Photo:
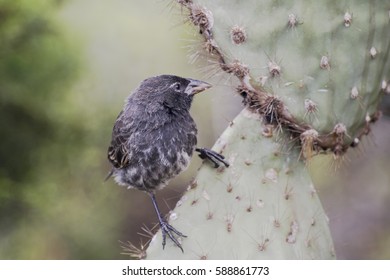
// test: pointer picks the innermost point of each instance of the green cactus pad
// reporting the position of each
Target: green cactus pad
(324, 62)
(264, 206)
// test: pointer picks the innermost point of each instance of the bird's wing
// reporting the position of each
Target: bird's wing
(118, 153)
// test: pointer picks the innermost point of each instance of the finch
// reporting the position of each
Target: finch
(154, 137)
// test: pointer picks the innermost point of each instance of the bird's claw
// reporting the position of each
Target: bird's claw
(167, 229)
(214, 157)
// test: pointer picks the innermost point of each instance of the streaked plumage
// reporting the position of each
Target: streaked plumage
(154, 137)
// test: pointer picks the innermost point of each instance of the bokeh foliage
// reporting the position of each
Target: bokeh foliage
(37, 66)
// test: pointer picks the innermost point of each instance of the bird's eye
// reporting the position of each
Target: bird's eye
(177, 86)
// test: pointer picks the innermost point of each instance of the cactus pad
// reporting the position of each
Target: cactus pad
(305, 65)
(264, 206)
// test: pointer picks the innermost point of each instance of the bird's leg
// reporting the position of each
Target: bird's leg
(214, 157)
(166, 229)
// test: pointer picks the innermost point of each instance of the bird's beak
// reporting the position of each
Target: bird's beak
(196, 86)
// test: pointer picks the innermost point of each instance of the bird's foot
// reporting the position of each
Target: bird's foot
(167, 229)
(214, 157)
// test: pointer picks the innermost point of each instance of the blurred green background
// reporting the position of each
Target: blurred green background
(66, 67)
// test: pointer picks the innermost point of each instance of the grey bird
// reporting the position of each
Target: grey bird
(154, 137)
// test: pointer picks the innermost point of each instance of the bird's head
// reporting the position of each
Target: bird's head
(170, 92)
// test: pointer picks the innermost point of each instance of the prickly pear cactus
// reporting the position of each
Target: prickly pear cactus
(311, 74)
(264, 206)
(317, 69)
